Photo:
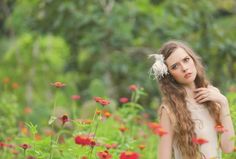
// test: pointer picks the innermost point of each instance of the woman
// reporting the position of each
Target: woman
(191, 107)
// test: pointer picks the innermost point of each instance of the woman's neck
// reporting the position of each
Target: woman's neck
(189, 90)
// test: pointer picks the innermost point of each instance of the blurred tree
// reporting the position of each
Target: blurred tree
(110, 40)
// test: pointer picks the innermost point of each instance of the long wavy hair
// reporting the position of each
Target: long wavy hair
(174, 96)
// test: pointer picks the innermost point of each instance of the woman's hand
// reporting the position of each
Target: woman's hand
(210, 93)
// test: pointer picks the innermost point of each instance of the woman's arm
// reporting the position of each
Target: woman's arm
(227, 144)
(165, 142)
(213, 94)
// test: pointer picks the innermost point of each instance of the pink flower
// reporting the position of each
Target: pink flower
(220, 129)
(124, 100)
(75, 97)
(104, 155)
(133, 87)
(102, 101)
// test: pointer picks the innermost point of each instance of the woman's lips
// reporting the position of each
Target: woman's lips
(187, 75)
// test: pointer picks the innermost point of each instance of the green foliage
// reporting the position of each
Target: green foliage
(8, 114)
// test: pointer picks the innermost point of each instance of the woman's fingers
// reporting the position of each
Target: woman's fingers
(203, 100)
(200, 93)
(202, 97)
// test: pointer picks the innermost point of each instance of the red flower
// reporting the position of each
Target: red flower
(141, 146)
(2, 144)
(102, 101)
(123, 128)
(58, 84)
(129, 155)
(220, 128)
(31, 157)
(84, 141)
(160, 132)
(133, 87)
(199, 141)
(84, 157)
(75, 97)
(97, 99)
(124, 100)
(106, 114)
(110, 146)
(25, 146)
(153, 125)
(64, 119)
(104, 155)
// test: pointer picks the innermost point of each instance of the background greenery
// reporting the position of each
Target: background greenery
(100, 47)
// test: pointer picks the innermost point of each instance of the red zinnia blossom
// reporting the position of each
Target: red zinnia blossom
(133, 87)
(64, 119)
(104, 155)
(220, 128)
(110, 146)
(129, 155)
(75, 97)
(153, 125)
(141, 146)
(124, 100)
(58, 84)
(25, 146)
(160, 132)
(106, 114)
(199, 141)
(84, 140)
(97, 99)
(2, 144)
(102, 101)
(123, 128)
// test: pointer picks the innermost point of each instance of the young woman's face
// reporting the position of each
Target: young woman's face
(181, 66)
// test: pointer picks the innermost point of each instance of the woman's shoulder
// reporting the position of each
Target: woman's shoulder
(213, 87)
(165, 108)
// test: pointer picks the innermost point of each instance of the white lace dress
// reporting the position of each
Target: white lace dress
(204, 128)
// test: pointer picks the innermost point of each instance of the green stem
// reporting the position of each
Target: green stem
(54, 113)
(92, 121)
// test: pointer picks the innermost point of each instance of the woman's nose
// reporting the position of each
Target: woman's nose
(184, 67)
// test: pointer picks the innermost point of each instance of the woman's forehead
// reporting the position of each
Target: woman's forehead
(176, 56)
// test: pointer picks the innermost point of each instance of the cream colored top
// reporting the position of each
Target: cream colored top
(204, 128)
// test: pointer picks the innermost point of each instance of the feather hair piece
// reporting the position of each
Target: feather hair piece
(159, 68)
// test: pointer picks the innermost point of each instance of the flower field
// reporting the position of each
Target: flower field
(98, 129)
(104, 132)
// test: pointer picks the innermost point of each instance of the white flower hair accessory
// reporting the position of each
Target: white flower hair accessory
(159, 68)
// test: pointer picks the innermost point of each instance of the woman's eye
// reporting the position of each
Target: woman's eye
(186, 59)
(174, 67)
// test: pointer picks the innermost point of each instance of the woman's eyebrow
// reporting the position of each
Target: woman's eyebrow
(179, 61)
